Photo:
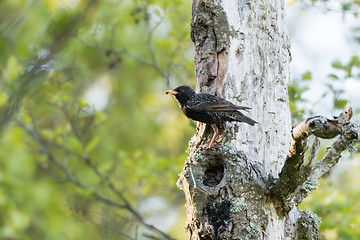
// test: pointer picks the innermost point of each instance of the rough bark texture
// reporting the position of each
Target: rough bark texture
(234, 191)
(242, 54)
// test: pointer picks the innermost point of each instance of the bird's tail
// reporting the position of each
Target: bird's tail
(239, 117)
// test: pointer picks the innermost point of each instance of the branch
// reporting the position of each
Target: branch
(150, 47)
(333, 154)
(330, 159)
(72, 179)
(149, 33)
(295, 176)
(302, 225)
(47, 152)
(113, 227)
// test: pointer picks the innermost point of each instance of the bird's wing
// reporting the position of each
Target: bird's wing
(211, 103)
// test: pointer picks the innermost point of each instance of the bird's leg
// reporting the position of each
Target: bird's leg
(216, 131)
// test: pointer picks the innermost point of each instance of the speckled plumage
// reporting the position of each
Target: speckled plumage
(207, 108)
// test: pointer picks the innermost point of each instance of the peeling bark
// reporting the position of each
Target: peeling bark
(246, 187)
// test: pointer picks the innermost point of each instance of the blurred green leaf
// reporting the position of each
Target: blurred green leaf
(75, 145)
(3, 98)
(62, 25)
(306, 76)
(92, 144)
(13, 69)
(354, 61)
(340, 103)
(82, 104)
(346, 6)
(100, 117)
(337, 64)
(333, 76)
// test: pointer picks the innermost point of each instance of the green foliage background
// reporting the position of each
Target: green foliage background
(65, 165)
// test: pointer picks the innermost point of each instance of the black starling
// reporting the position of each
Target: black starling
(207, 108)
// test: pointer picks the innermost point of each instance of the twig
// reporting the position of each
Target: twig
(314, 153)
(131, 55)
(151, 236)
(113, 227)
(150, 47)
(47, 152)
(153, 63)
(72, 123)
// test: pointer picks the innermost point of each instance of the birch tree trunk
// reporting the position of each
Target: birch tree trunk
(234, 191)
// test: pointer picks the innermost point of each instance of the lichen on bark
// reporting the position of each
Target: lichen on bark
(302, 225)
(226, 201)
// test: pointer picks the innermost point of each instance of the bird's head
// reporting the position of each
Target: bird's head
(182, 93)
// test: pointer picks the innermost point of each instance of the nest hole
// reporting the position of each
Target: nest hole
(213, 175)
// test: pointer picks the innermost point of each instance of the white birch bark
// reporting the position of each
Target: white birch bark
(257, 76)
(246, 188)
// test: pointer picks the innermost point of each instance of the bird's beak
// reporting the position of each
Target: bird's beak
(170, 92)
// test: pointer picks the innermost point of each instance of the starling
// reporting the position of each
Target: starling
(207, 108)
